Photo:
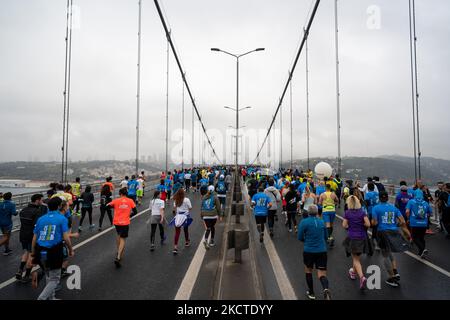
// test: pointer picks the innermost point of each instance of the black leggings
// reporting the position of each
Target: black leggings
(271, 218)
(103, 210)
(210, 228)
(418, 235)
(153, 232)
(83, 214)
(291, 218)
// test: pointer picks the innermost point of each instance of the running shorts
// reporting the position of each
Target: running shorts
(328, 216)
(260, 219)
(26, 245)
(122, 231)
(316, 260)
(140, 193)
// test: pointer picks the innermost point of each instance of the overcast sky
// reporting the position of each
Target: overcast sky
(375, 75)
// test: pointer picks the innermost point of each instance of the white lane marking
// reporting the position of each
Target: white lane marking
(13, 279)
(412, 255)
(187, 285)
(286, 289)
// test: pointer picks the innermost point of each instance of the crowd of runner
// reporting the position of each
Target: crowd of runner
(306, 205)
(47, 223)
(373, 224)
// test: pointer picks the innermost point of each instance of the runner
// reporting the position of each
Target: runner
(319, 190)
(168, 183)
(372, 199)
(337, 180)
(87, 200)
(157, 218)
(28, 217)
(210, 212)
(444, 204)
(203, 184)
(365, 189)
(105, 199)
(123, 207)
(401, 200)
(194, 179)
(109, 183)
(387, 217)
(292, 207)
(356, 222)
(418, 211)
(314, 235)
(48, 247)
(261, 204)
(76, 190)
(309, 198)
(124, 183)
(328, 200)
(275, 198)
(187, 180)
(140, 190)
(7, 210)
(438, 211)
(132, 188)
(182, 208)
(252, 185)
(221, 189)
(162, 190)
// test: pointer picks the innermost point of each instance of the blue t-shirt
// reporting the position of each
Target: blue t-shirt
(419, 211)
(320, 189)
(301, 188)
(177, 186)
(50, 228)
(132, 187)
(168, 184)
(401, 200)
(181, 177)
(372, 199)
(204, 182)
(194, 177)
(261, 201)
(386, 215)
(160, 188)
(313, 233)
(221, 187)
(7, 210)
(211, 177)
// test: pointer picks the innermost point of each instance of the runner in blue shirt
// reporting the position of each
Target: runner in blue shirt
(48, 247)
(401, 200)
(168, 183)
(261, 204)
(132, 188)
(7, 210)
(387, 218)
(418, 211)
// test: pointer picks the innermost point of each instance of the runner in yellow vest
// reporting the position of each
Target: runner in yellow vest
(328, 201)
(76, 191)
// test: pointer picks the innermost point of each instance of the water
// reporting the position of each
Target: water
(17, 191)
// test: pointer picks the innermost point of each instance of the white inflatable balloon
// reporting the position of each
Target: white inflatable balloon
(322, 170)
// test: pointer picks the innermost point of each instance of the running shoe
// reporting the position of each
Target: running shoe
(362, 283)
(261, 237)
(212, 243)
(271, 233)
(326, 294)
(175, 251)
(80, 229)
(19, 275)
(7, 252)
(117, 263)
(25, 279)
(64, 273)
(352, 274)
(290, 230)
(310, 295)
(92, 226)
(295, 229)
(392, 282)
(187, 244)
(396, 276)
(152, 247)
(424, 254)
(205, 243)
(99, 229)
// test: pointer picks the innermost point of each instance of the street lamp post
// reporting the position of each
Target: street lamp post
(237, 56)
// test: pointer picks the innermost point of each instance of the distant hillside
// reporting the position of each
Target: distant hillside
(391, 169)
(86, 170)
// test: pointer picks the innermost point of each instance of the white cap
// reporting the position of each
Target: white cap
(211, 188)
(222, 176)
